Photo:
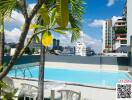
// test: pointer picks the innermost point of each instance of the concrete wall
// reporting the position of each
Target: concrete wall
(129, 20)
(95, 62)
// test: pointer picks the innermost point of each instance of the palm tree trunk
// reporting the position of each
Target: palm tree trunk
(1, 41)
(41, 73)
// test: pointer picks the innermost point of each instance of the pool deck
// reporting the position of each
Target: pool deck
(87, 93)
(86, 66)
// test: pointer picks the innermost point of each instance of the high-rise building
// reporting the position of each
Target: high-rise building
(107, 36)
(56, 44)
(125, 11)
(120, 34)
(116, 37)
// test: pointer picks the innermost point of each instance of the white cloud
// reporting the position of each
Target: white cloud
(115, 18)
(31, 5)
(92, 42)
(13, 35)
(12, 25)
(85, 38)
(16, 18)
(96, 23)
(110, 3)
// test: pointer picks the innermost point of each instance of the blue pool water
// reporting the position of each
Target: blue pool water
(94, 78)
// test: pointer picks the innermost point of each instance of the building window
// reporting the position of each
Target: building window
(123, 42)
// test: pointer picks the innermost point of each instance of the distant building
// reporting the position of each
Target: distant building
(10, 45)
(12, 51)
(34, 45)
(80, 49)
(107, 36)
(56, 44)
(89, 51)
(68, 51)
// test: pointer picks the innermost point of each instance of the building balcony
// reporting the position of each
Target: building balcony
(118, 39)
(107, 46)
(120, 34)
(120, 26)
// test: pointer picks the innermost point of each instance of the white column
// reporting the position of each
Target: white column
(103, 35)
(129, 20)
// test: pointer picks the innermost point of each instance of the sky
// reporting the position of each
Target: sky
(96, 11)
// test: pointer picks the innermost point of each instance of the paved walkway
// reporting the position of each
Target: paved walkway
(88, 93)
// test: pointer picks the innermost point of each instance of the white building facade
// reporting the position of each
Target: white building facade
(107, 36)
(129, 21)
(80, 49)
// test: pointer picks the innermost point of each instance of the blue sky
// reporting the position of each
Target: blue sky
(96, 11)
(99, 10)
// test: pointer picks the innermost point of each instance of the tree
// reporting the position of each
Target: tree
(28, 51)
(7, 6)
(52, 12)
(33, 50)
(121, 31)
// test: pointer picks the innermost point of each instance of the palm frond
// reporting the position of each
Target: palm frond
(75, 35)
(74, 24)
(6, 6)
(76, 8)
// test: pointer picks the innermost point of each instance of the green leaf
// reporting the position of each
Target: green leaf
(47, 38)
(59, 31)
(52, 17)
(67, 29)
(34, 26)
(2, 84)
(62, 13)
(37, 39)
(43, 11)
(1, 69)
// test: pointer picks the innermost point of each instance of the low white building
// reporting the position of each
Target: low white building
(12, 51)
(80, 49)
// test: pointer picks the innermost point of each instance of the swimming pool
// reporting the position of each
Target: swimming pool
(86, 77)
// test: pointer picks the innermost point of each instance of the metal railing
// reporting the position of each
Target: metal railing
(23, 68)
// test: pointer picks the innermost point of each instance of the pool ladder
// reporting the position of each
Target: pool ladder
(23, 72)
